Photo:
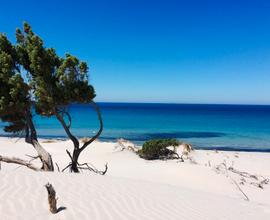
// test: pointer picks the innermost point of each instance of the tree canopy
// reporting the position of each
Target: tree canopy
(14, 93)
(56, 82)
(33, 76)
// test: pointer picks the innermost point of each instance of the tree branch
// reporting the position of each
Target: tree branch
(64, 112)
(69, 119)
(66, 128)
(100, 128)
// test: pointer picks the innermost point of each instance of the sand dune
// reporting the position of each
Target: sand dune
(134, 188)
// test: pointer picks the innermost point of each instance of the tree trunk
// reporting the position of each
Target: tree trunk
(45, 157)
(77, 149)
(75, 157)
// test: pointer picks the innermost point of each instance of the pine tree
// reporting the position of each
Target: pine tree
(55, 84)
(15, 100)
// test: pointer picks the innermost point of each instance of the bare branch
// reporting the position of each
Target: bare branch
(227, 174)
(69, 119)
(246, 197)
(19, 161)
(100, 127)
(64, 112)
(244, 174)
(66, 128)
(33, 157)
(93, 169)
(58, 169)
(69, 154)
(69, 165)
(261, 183)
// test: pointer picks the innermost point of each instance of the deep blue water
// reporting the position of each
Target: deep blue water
(240, 127)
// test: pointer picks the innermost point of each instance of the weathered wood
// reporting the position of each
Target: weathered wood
(45, 157)
(51, 198)
(243, 174)
(31, 138)
(19, 161)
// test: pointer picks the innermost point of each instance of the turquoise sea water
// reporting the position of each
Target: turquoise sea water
(239, 127)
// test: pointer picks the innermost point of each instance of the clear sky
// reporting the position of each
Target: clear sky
(158, 51)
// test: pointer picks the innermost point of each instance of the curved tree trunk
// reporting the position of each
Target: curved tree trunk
(77, 149)
(45, 157)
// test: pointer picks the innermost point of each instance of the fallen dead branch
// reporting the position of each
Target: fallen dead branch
(239, 188)
(245, 177)
(223, 168)
(126, 145)
(261, 183)
(243, 174)
(19, 161)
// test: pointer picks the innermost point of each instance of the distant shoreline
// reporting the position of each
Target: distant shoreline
(139, 144)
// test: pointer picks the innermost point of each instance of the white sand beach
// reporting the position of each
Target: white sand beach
(204, 187)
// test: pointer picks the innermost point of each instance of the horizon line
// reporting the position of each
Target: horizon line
(181, 103)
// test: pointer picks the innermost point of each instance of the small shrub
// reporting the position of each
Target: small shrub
(158, 149)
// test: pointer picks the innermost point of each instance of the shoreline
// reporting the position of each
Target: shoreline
(114, 140)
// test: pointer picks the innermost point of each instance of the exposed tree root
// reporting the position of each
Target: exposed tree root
(85, 166)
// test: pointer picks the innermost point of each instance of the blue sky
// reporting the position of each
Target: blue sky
(158, 51)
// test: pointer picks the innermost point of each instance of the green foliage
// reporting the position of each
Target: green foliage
(158, 149)
(52, 82)
(56, 82)
(14, 99)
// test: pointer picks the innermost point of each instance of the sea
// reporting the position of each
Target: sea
(205, 126)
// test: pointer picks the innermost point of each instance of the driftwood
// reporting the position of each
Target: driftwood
(220, 168)
(51, 198)
(246, 178)
(122, 144)
(187, 148)
(243, 174)
(261, 183)
(239, 188)
(19, 161)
